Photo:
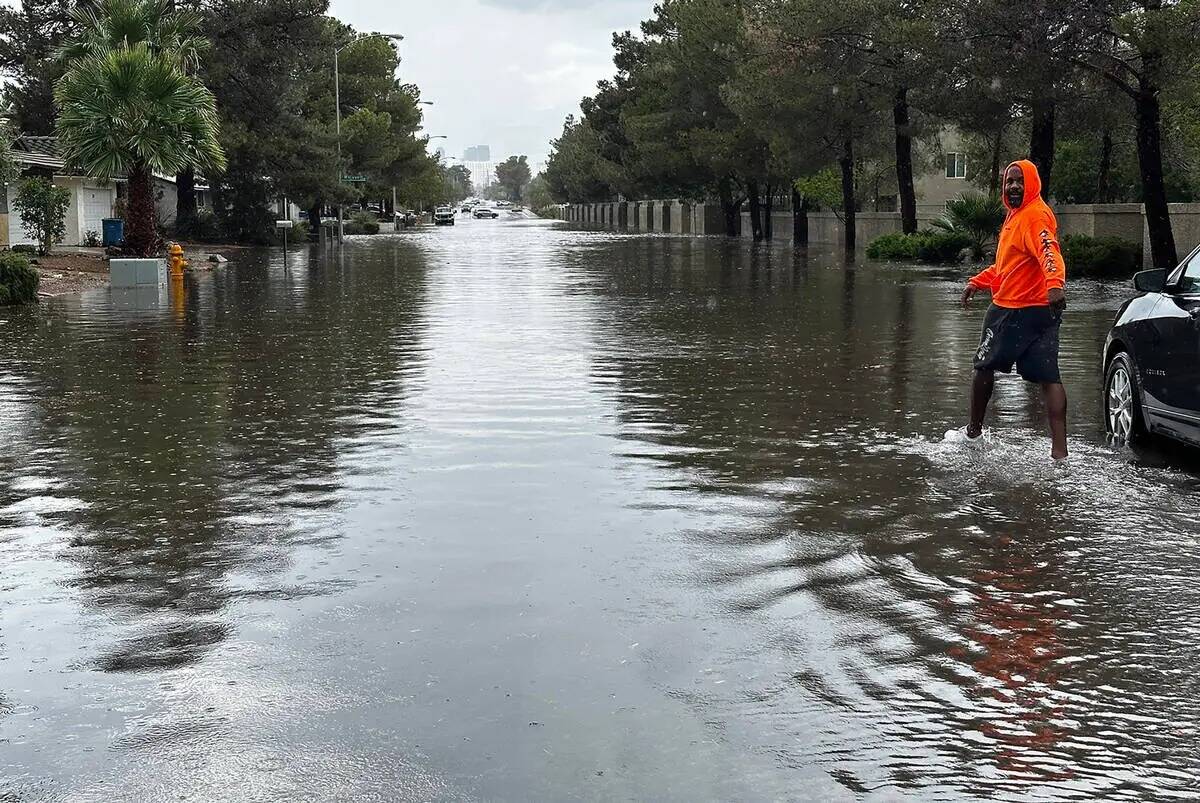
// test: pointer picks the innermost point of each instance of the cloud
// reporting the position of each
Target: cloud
(501, 72)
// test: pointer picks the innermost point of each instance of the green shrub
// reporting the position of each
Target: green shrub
(1101, 257)
(362, 223)
(896, 247)
(943, 247)
(976, 215)
(925, 246)
(43, 210)
(18, 280)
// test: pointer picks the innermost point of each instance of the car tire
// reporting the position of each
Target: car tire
(1123, 419)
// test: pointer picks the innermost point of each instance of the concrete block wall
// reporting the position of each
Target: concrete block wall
(1101, 220)
(1185, 225)
(682, 217)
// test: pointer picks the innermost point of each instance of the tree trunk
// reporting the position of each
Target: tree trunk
(1102, 179)
(186, 213)
(994, 178)
(1154, 188)
(768, 212)
(755, 210)
(141, 230)
(731, 209)
(799, 219)
(314, 220)
(847, 164)
(1041, 141)
(904, 163)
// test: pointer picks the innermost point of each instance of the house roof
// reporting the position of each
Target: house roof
(33, 150)
(38, 151)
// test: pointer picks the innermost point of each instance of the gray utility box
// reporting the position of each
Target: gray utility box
(137, 272)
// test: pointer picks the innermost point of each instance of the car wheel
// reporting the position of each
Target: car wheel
(1123, 400)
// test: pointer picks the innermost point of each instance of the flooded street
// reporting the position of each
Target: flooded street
(506, 511)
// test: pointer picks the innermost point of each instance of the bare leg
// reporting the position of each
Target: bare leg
(981, 394)
(1056, 410)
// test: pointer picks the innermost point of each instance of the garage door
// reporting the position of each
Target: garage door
(97, 205)
(16, 231)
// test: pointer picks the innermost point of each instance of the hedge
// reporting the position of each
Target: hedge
(925, 246)
(18, 280)
(1100, 257)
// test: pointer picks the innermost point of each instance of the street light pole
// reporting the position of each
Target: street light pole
(337, 103)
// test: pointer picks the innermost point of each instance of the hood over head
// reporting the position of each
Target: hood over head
(1033, 183)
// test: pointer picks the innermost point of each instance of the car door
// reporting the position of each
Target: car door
(1172, 381)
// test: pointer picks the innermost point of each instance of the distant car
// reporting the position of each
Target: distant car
(1152, 356)
(503, 204)
(443, 216)
(484, 212)
(466, 210)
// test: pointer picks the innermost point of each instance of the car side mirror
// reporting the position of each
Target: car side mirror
(1150, 281)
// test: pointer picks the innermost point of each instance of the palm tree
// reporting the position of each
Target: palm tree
(976, 215)
(158, 23)
(129, 104)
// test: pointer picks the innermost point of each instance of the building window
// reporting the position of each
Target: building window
(956, 165)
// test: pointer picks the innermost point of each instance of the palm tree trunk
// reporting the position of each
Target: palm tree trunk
(141, 230)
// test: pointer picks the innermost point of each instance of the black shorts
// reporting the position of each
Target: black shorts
(1025, 337)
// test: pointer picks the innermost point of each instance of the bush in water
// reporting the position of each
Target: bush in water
(18, 280)
(1101, 257)
(925, 246)
(976, 215)
(895, 247)
(944, 247)
(362, 223)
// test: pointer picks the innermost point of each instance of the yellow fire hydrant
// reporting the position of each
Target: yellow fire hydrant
(175, 260)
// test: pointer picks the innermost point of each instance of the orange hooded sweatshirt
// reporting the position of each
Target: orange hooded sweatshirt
(1028, 260)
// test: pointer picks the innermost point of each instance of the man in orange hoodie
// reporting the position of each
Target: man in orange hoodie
(1028, 299)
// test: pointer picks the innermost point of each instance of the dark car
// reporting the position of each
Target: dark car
(1152, 357)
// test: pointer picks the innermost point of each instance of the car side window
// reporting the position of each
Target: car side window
(1189, 282)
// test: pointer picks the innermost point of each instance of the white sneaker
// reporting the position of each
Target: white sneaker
(960, 436)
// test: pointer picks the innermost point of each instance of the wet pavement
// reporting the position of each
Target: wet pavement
(506, 511)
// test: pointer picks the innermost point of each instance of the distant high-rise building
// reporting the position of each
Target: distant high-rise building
(478, 153)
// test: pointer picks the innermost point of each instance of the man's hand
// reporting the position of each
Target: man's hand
(968, 293)
(1057, 299)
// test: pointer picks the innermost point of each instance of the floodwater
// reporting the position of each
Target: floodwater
(510, 512)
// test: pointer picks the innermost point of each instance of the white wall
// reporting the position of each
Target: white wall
(90, 203)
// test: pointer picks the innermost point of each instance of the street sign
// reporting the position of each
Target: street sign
(355, 179)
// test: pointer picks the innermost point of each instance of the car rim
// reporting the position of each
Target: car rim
(1120, 404)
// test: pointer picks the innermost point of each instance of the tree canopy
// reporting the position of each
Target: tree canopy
(738, 101)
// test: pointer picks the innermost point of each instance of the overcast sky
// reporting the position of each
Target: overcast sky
(502, 73)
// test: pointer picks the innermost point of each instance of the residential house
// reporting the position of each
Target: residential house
(92, 199)
(944, 179)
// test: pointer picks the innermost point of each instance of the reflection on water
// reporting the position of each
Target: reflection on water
(511, 512)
